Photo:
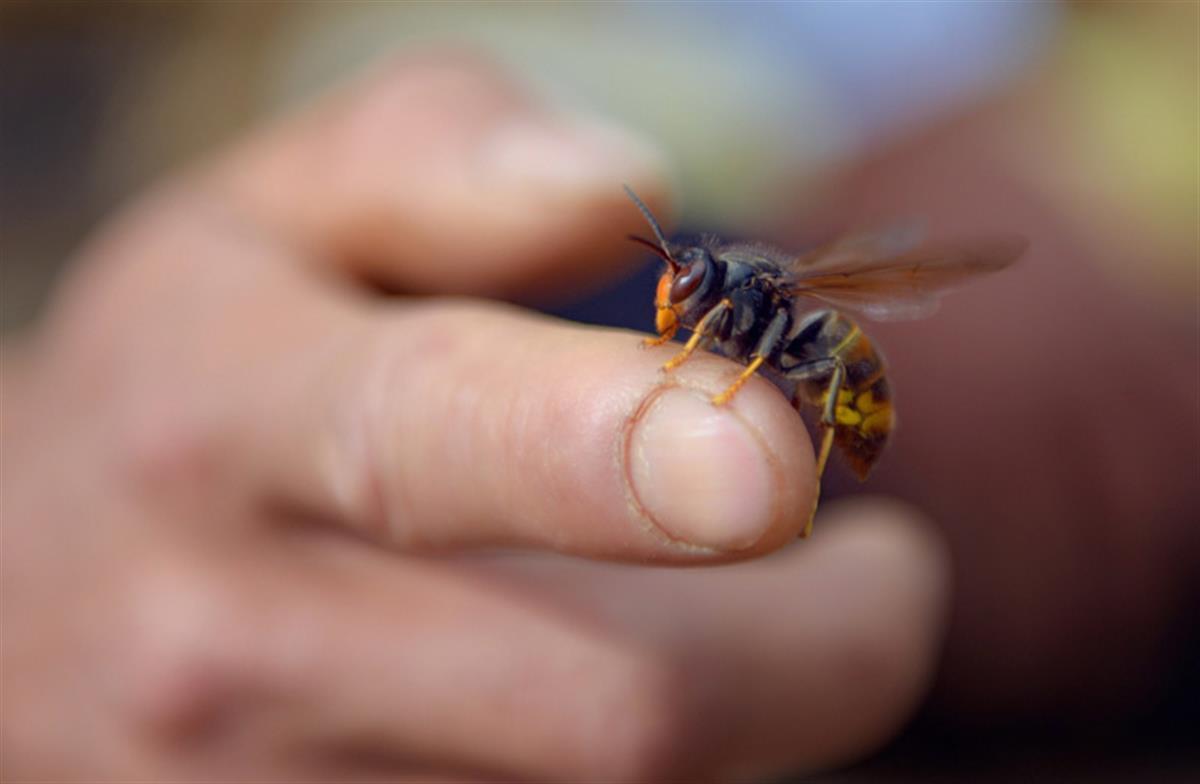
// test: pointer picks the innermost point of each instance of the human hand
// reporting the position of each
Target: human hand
(239, 486)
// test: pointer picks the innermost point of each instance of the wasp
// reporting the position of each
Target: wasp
(745, 299)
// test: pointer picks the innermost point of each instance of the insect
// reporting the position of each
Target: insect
(744, 298)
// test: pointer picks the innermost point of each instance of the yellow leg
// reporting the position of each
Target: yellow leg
(808, 526)
(682, 356)
(732, 389)
(698, 334)
(823, 455)
(822, 459)
(837, 377)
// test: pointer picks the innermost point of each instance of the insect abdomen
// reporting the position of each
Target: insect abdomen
(864, 415)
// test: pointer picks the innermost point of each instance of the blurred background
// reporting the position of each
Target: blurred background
(1050, 418)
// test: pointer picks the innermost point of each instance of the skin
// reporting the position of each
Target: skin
(247, 500)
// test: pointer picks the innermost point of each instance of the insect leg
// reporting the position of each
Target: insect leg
(766, 346)
(702, 331)
(835, 369)
(663, 337)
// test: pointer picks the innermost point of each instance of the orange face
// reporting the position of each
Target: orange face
(665, 316)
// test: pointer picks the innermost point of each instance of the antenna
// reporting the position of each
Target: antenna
(662, 241)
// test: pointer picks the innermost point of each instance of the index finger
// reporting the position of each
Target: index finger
(461, 425)
(437, 174)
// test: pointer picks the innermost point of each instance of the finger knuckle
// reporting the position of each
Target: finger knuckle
(368, 420)
(637, 704)
(447, 87)
(193, 660)
(445, 76)
(383, 444)
(167, 444)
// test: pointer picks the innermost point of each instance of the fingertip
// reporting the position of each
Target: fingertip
(737, 479)
(890, 533)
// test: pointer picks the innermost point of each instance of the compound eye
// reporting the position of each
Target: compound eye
(686, 283)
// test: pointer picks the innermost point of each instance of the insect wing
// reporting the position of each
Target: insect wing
(889, 278)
